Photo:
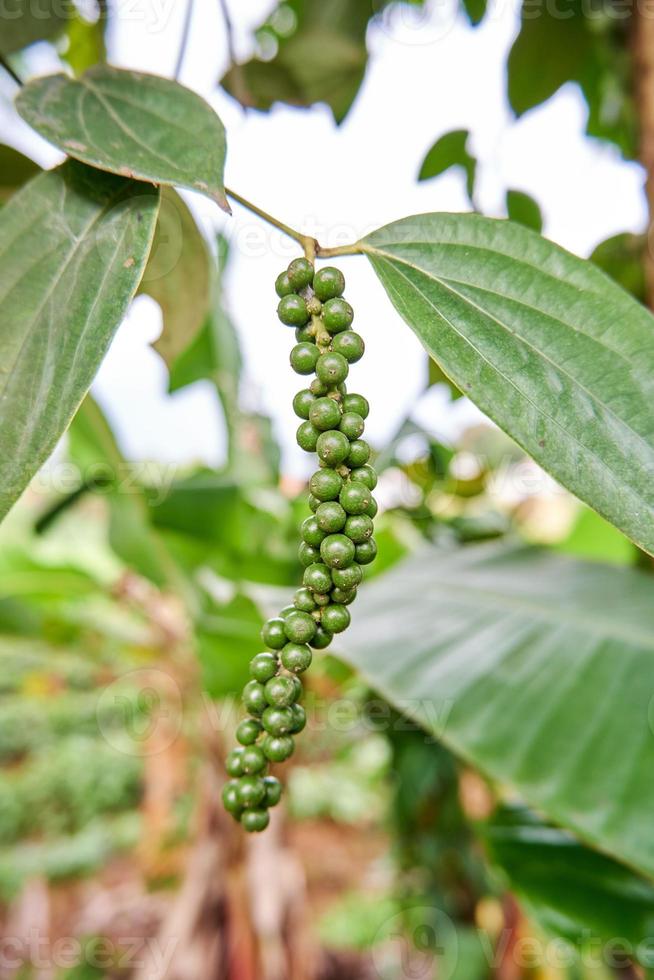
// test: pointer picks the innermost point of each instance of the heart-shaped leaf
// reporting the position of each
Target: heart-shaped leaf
(543, 342)
(536, 668)
(131, 124)
(73, 245)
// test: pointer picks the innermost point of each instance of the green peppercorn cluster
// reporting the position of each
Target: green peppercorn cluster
(336, 540)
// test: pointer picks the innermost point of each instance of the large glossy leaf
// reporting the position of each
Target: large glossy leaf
(23, 22)
(543, 342)
(73, 245)
(131, 124)
(571, 890)
(538, 669)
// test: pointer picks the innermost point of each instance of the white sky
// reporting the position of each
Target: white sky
(428, 74)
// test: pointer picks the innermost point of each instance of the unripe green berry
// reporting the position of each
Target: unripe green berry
(263, 666)
(302, 404)
(297, 686)
(347, 578)
(300, 273)
(356, 403)
(234, 762)
(280, 691)
(278, 748)
(322, 639)
(304, 358)
(358, 528)
(359, 452)
(366, 475)
(321, 598)
(337, 315)
(296, 657)
(273, 791)
(355, 498)
(272, 633)
(254, 698)
(325, 414)
(304, 600)
(328, 283)
(305, 334)
(253, 758)
(330, 517)
(372, 508)
(278, 721)
(231, 800)
(282, 285)
(337, 551)
(318, 388)
(254, 821)
(286, 610)
(332, 447)
(307, 437)
(300, 627)
(311, 533)
(350, 345)
(325, 484)
(343, 597)
(335, 619)
(318, 579)
(251, 791)
(292, 310)
(332, 368)
(314, 502)
(299, 718)
(307, 554)
(249, 729)
(352, 426)
(366, 552)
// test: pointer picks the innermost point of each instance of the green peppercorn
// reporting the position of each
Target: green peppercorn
(292, 310)
(358, 528)
(254, 821)
(273, 791)
(282, 285)
(253, 758)
(337, 315)
(304, 600)
(299, 718)
(343, 597)
(307, 437)
(325, 414)
(234, 763)
(372, 508)
(366, 552)
(263, 666)
(355, 498)
(280, 691)
(296, 657)
(273, 634)
(278, 748)
(324, 485)
(318, 388)
(302, 404)
(311, 532)
(231, 800)
(322, 639)
(304, 357)
(332, 447)
(283, 613)
(278, 721)
(307, 554)
(314, 502)
(321, 598)
(299, 627)
(250, 791)
(337, 551)
(350, 345)
(328, 283)
(300, 273)
(352, 426)
(356, 403)
(249, 729)
(335, 618)
(317, 578)
(305, 334)
(331, 368)
(330, 517)
(364, 474)
(347, 578)
(359, 453)
(254, 698)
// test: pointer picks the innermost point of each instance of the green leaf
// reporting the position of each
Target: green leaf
(22, 22)
(621, 257)
(535, 668)
(543, 342)
(450, 151)
(86, 42)
(131, 124)
(15, 170)
(474, 10)
(177, 276)
(570, 889)
(73, 245)
(524, 209)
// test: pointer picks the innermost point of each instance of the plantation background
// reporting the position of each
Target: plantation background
(136, 571)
